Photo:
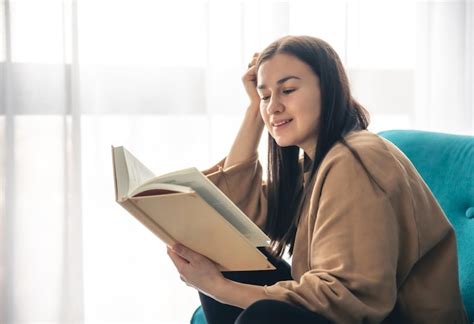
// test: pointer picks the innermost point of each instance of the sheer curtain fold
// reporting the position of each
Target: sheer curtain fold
(163, 78)
(444, 69)
(41, 176)
(6, 170)
(72, 285)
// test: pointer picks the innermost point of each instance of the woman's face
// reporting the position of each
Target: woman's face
(290, 102)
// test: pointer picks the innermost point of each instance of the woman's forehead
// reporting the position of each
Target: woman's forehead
(281, 68)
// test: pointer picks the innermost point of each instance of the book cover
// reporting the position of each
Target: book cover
(185, 207)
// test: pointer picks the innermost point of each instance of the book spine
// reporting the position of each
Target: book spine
(153, 226)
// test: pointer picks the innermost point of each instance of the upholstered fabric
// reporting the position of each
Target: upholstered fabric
(198, 316)
(446, 163)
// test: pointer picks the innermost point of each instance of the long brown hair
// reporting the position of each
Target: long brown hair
(340, 114)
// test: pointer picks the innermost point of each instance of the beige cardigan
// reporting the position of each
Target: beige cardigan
(362, 255)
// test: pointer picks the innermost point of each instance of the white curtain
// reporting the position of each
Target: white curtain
(163, 79)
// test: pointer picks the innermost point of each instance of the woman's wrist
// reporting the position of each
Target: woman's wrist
(222, 289)
(238, 294)
(246, 143)
(253, 113)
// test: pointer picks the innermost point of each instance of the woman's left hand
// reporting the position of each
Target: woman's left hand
(196, 270)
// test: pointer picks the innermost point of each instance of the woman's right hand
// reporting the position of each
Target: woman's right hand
(246, 143)
(250, 82)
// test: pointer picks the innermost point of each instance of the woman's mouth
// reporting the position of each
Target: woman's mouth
(281, 124)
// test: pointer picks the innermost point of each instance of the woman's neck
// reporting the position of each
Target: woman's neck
(307, 162)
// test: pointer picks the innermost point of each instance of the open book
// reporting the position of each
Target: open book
(186, 207)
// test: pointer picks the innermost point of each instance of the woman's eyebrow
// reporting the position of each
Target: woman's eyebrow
(282, 80)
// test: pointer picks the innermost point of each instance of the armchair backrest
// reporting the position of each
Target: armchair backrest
(446, 163)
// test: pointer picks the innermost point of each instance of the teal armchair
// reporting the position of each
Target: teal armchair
(446, 163)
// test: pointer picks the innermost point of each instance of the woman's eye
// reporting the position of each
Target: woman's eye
(288, 91)
(265, 98)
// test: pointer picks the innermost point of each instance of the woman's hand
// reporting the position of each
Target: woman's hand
(196, 270)
(250, 82)
(199, 272)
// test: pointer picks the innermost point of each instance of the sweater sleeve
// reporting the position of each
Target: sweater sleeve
(353, 249)
(243, 184)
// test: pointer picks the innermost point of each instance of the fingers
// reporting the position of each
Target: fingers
(184, 252)
(249, 80)
(254, 60)
(251, 73)
(178, 261)
(182, 258)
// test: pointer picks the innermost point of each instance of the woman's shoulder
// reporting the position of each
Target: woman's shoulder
(363, 142)
(378, 156)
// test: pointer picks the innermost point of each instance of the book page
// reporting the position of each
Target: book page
(138, 173)
(157, 187)
(120, 173)
(193, 178)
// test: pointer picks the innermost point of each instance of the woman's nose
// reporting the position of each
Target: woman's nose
(274, 105)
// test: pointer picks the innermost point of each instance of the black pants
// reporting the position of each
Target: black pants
(262, 311)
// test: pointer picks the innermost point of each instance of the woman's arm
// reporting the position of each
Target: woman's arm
(355, 245)
(239, 175)
(246, 296)
(246, 143)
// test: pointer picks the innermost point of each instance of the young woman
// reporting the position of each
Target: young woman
(369, 242)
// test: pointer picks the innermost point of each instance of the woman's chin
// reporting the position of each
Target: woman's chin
(283, 143)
